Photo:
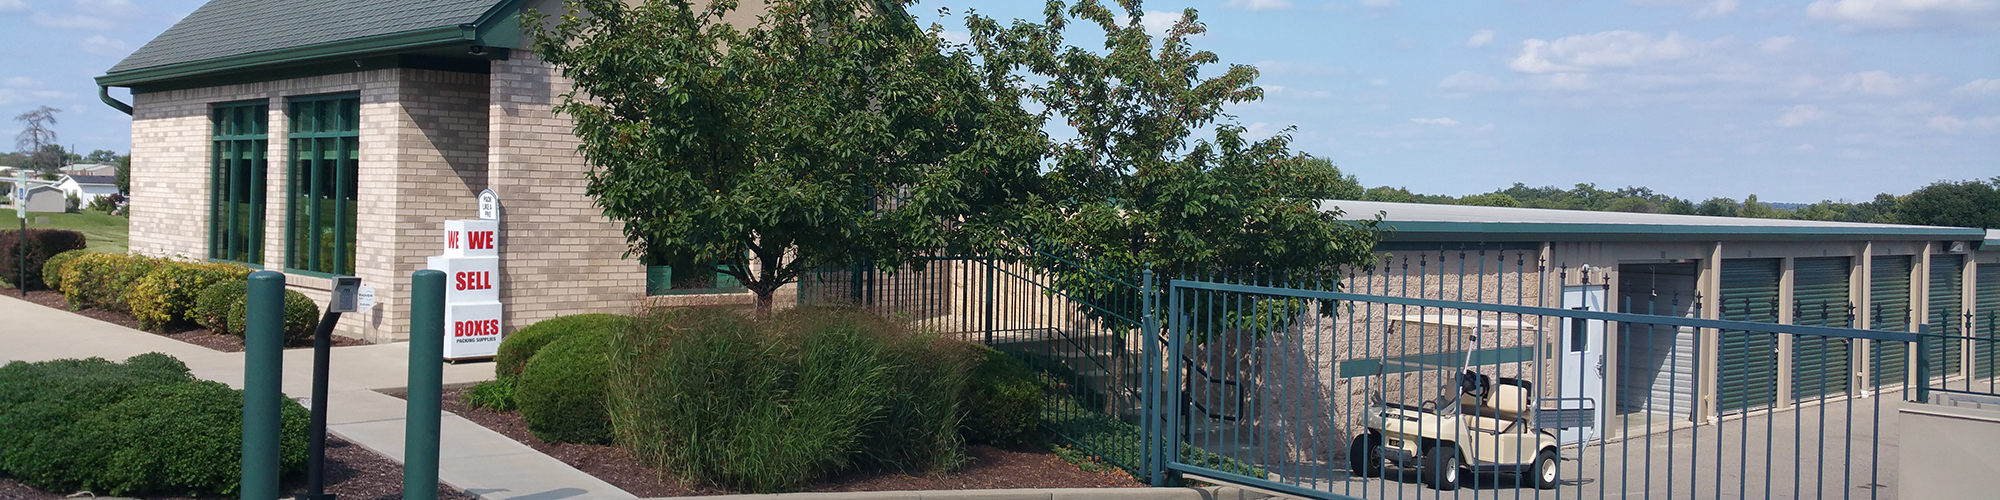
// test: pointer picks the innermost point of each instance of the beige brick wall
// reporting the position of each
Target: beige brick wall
(423, 154)
(560, 254)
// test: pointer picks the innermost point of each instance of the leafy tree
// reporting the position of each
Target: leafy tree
(1719, 207)
(1974, 203)
(104, 156)
(1757, 209)
(124, 173)
(1134, 188)
(37, 135)
(1490, 200)
(831, 132)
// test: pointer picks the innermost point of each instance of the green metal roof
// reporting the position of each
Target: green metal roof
(226, 35)
(1424, 222)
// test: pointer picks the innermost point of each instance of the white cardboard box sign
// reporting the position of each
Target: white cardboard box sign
(471, 238)
(471, 330)
(469, 279)
(471, 263)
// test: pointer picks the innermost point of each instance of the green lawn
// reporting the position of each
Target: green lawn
(103, 233)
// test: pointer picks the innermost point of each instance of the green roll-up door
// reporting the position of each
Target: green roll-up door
(1947, 310)
(1749, 360)
(1889, 309)
(1986, 318)
(1819, 297)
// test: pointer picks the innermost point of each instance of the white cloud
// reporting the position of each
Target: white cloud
(113, 8)
(1480, 38)
(1717, 8)
(1467, 81)
(1379, 82)
(1980, 87)
(1258, 4)
(1158, 22)
(1703, 9)
(1899, 15)
(1952, 124)
(1381, 4)
(1283, 91)
(74, 22)
(21, 82)
(1800, 115)
(1609, 49)
(1884, 83)
(13, 6)
(1297, 68)
(1778, 44)
(1440, 122)
(98, 44)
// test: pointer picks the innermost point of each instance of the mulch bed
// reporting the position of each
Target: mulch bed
(352, 473)
(184, 333)
(991, 468)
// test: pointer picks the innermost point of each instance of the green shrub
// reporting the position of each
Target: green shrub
(101, 280)
(1003, 399)
(182, 438)
(132, 428)
(301, 317)
(211, 307)
(167, 295)
(41, 404)
(52, 268)
(39, 245)
(773, 404)
(492, 395)
(520, 346)
(561, 393)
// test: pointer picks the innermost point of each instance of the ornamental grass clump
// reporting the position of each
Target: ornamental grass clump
(774, 404)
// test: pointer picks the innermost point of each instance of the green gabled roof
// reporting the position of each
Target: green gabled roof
(226, 35)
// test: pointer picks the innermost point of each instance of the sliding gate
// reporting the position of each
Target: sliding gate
(1314, 368)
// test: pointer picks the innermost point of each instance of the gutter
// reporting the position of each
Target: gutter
(104, 94)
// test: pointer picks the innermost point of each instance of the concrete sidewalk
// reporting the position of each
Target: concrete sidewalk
(481, 462)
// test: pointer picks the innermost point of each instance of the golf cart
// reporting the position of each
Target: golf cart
(1475, 425)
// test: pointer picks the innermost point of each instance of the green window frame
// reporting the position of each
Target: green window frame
(237, 169)
(320, 192)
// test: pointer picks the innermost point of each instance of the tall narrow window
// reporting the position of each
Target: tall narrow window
(236, 182)
(325, 159)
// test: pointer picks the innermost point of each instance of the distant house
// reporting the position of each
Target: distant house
(88, 187)
(94, 169)
(45, 199)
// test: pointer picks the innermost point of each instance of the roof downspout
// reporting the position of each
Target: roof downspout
(104, 93)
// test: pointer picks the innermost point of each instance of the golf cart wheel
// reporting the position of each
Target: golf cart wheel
(1441, 467)
(1361, 458)
(1545, 469)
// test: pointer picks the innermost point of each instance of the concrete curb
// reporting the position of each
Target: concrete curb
(1207, 493)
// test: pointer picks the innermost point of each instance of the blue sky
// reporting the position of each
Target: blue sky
(1793, 101)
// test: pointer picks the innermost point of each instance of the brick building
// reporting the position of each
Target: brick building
(335, 138)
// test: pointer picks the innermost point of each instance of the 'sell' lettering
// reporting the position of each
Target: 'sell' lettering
(479, 280)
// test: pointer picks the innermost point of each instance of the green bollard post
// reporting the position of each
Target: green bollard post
(420, 436)
(263, 362)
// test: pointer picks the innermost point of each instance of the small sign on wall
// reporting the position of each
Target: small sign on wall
(489, 205)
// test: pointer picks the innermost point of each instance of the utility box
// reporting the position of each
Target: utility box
(1949, 449)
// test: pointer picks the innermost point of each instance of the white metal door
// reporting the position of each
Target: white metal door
(1582, 360)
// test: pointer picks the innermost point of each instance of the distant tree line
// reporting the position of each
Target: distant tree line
(1973, 203)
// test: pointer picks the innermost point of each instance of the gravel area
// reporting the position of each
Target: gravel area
(352, 473)
(185, 333)
(991, 468)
